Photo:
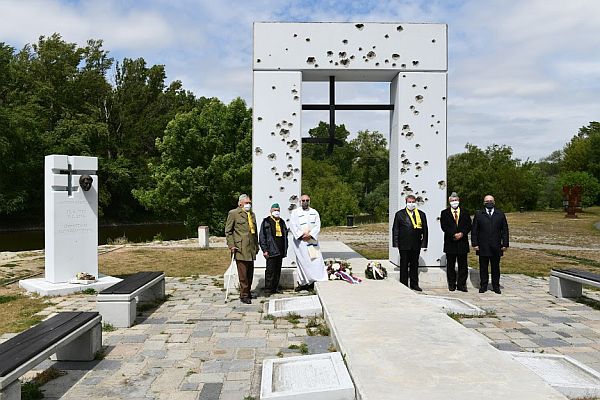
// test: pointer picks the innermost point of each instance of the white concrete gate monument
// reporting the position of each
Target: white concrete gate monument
(412, 57)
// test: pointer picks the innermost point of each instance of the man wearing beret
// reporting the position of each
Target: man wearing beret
(273, 242)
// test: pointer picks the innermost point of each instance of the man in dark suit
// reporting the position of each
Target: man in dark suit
(489, 237)
(456, 224)
(274, 243)
(409, 235)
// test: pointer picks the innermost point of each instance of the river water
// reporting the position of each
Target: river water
(34, 239)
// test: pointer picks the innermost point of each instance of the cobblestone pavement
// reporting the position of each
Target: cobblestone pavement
(527, 318)
(193, 346)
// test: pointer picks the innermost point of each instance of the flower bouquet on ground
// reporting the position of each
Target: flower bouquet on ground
(340, 269)
(375, 270)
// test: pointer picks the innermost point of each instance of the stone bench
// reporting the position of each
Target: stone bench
(73, 336)
(117, 304)
(568, 282)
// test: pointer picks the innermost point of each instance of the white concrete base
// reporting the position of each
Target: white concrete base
(565, 288)
(397, 346)
(203, 237)
(453, 305)
(120, 314)
(569, 376)
(432, 277)
(45, 288)
(286, 281)
(305, 306)
(12, 391)
(313, 377)
(84, 348)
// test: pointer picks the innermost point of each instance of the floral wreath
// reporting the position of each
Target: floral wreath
(375, 270)
(339, 269)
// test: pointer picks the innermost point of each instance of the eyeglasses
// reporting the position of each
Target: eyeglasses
(304, 201)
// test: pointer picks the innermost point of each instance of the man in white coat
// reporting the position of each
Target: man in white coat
(305, 225)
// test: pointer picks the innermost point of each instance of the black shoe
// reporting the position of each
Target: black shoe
(300, 288)
(497, 290)
(246, 300)
(267, 293)
(482, 290)
(462, 289)
(451, 288)
(416, 288)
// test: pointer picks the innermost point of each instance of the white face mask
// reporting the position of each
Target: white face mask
(411, 206)
(275, 214)
(247, 206)
(454, 204)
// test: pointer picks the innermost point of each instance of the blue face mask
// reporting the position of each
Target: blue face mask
(489, 205)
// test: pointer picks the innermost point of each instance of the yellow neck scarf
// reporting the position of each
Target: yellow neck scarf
(417, 223)
(277, 227)
(250, 223)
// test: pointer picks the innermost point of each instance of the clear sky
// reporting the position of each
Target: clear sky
(525, 73)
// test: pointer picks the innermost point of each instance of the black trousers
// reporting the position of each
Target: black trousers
(483, 271)
(273, 273)
(409, 267)
(455, 281)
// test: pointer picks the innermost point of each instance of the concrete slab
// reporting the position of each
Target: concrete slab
(453, 305)
(569, 376)
(313, 377)
(398, 346)
(45, 288)
(304, 306)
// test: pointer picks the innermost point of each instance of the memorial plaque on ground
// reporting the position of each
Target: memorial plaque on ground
(304, 306)
(453, 305)
(314, 377)
(568, 376)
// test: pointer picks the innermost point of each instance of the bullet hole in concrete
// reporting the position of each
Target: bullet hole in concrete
(298, 151)
(411, 107)
(336, 64)
(419, 98)
(409, 134)
(405, 162)
(316, 65)
(425, 87)
(258, 151)
(329, 53)
(286, 49)
(444, 98)
(426, 199)
(273, 87)
(377, 64)
(437, 132)
(415, 63)
(426, 163)
(432, 115)
(442, 184)
(279, 179)
(393, 64)
(330, 61)
(407, 188)
(345, 41)
(352, 57)
(290, 158)
(404, 76)
(296, 98)
(294, 144)
(290, 167)
(270, 196)
(386, 61)
(310, 60)
(405, 127)
(402, 170)
(272, 133)
(272, 157)
(387, 36)
(295, 35)
(342, 54)
(287, 154)
(413, 85)
(308, 39)
(258, 60)
(419, 200)
(417, 145)
(294, 91)
(402, 182)
(399, 28)
(416, 112)
(371, 54)
(295, 180)
(438, 122)
(360, 49)
(345, 62)
(288, 175)
(293, 198)
(259, 118)
(402, 65)
(416, 175)
(431, 126)
(374, 47)
(432, 40)
(290, 124)
(359, 26)
(284, 132)
(401, 193)
(293, 114)
(395, 56)
(281, 188)
(273, 169)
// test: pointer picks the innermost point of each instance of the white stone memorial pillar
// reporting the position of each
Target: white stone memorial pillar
(71, 217)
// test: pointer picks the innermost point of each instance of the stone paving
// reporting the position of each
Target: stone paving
(193, 346)
(527, 318)
(196, 346)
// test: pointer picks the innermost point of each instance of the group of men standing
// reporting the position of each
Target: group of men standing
(489, 238)
(244, 240)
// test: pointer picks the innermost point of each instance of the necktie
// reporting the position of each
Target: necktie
(456, 217)
(490, 212)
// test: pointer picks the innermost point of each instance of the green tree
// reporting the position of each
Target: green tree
(205, 162)
(589, 186)
(582, 153)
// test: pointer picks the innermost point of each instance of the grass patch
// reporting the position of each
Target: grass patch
(270, 317)
(458, 316)
(106, 327)
(316, 326)
(580, 260)
(292, 318)
(9, 265)
(331, 348)
(20, 314)
(371, 251)
(100, 355)
(595, 304)
(279, 354)
(175, 262)
(89, 291)
(302, 347)
(30, 390)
